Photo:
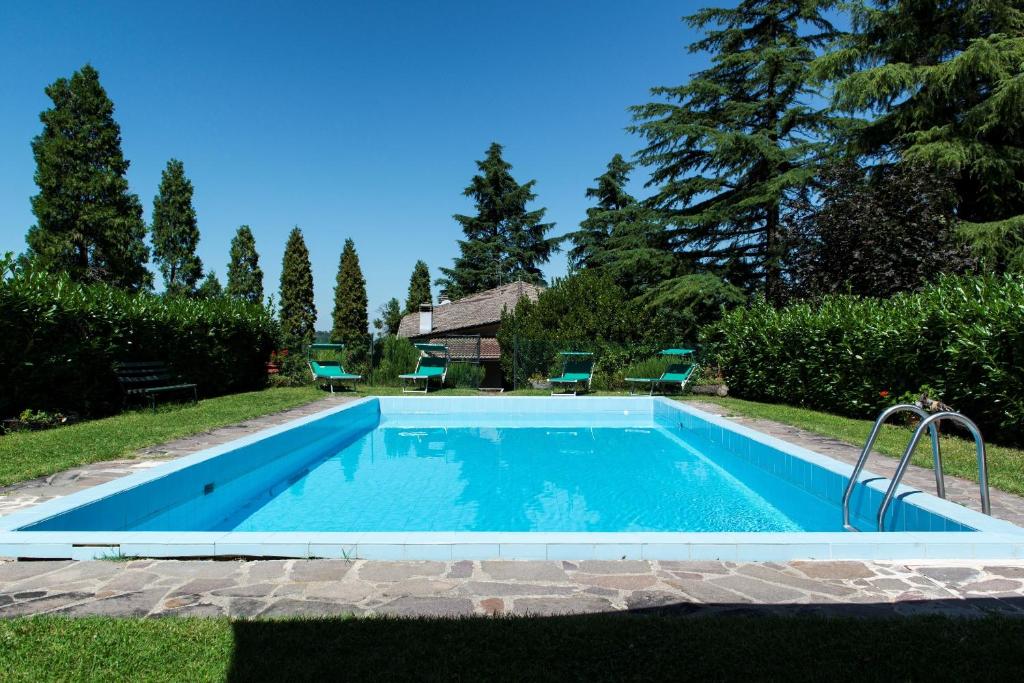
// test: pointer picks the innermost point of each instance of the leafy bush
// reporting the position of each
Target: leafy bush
(59, 341)
(963, 336)
(464, 375)
(392, 356)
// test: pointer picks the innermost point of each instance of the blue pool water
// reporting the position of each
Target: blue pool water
(564, 478)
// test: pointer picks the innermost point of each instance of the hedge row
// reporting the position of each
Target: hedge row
(963, 338)
(59, 341)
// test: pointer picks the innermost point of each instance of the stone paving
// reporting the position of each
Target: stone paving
(329, 587)
(271, 588)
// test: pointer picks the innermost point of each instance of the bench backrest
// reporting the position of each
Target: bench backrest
(139, 375)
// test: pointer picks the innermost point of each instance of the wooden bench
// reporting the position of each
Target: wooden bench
(150, 379)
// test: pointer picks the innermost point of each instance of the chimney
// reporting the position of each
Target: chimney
(426, 318)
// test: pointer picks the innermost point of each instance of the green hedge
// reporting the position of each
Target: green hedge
(962, 337)
(59, 341)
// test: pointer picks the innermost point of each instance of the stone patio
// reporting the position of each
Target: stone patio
(273, 588)
(330, 587)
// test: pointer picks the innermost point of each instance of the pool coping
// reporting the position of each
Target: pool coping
(994, 538)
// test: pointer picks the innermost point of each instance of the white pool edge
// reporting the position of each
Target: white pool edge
(994, 540)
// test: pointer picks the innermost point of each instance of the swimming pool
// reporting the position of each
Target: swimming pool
(516, 477)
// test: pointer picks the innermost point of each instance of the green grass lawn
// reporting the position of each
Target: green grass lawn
(26, 455)
(1005, 465)
(593, 647)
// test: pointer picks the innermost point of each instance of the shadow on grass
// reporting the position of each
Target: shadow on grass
(727, 641)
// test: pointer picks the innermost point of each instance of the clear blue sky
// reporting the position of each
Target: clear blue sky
(354, 119)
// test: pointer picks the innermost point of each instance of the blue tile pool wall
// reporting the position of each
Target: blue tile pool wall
(199, 496)
(820, 481)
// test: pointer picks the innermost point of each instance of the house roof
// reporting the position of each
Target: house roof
(476, 310)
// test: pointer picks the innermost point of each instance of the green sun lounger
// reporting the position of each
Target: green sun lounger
(328, 372)
(432, 364)
(677, 373)
(577, 372)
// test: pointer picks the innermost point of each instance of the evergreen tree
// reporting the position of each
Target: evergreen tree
(504, 242)
(245, 278)
(939, 83)
(419, 288)
(734, 147)
(175, 232)
(620, 236)
(350, 315)
(390, 317)
(297, 310)
(210, 287)
(87, 222)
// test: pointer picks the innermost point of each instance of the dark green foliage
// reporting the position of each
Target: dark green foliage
(940, 84)
(87, 222)
(504, 242)
(59, 340)
(875, 234)
(621, 237)
(676, 310)
(175, 231)
(245, 277)
(962, 336)
(210, 287)
(464, 375)
(390, 317)
(392, 356)
(419, 288)
(734, 147)
(350, 316)
(297, 310)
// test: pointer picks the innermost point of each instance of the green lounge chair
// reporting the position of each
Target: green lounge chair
(329, 372)
(433, 363)
(577, 372)
(678, 372)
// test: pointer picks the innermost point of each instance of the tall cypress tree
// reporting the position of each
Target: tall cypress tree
(390, 317)
(419, 288)
(245, 277)
(734, 147)
(350, 315)
(504, 242)
(939, 84)
(591, 239)
(87, 222)
(175, 232)
(298, 312)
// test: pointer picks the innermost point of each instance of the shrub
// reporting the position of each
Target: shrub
(464, 375)
(963, 336)
(392, 356)
(59, 341)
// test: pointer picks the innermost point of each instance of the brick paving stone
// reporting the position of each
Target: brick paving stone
(492, 606)
(525, 571)
(579, 604)
(410, 606)
(462, 569)
(397, 571)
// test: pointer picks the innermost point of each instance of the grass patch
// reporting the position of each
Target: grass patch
(591, 647)
(26, 455)
(1005, 464)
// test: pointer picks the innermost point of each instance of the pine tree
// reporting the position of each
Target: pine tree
(297, 310)
(390, 317)
(590, 240)
(504, 242)
(175, 232)
(419, 288)
(88, 223)
(350, 315)
(245, 278)
(939, 85)
(210, 288)
(734, 147)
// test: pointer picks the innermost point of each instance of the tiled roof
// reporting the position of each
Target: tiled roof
(467, 348)
(483, 308)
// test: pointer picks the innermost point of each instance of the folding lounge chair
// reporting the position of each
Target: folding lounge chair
(577, 372)
(433, 363)
(329, 372)
(676, 373)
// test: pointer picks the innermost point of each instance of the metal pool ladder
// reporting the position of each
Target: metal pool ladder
(929, 422)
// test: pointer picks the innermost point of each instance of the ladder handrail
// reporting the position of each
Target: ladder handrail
(940, 484)
(929, 422)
